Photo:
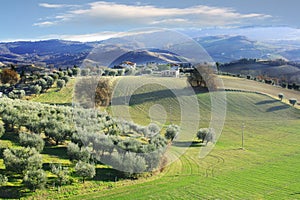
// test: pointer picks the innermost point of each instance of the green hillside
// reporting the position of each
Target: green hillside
(56, 96)
(268, 167)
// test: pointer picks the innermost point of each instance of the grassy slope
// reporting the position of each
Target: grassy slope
(267, 169)
(53, 96)
(244, 84)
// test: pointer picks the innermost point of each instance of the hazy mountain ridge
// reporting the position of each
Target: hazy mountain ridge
(222, 48)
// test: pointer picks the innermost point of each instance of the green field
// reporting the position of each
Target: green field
(268, 167)
(56, 96)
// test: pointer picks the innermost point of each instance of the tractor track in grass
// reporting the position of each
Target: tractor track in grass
(210, 171)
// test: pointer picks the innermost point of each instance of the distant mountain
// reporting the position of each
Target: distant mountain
(222, 48)
(151, 55)
(226, 48)
(57, 52)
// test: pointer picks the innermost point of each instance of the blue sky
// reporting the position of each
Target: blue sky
(93, 20)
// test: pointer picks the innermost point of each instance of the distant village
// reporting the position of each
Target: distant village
(163, 69)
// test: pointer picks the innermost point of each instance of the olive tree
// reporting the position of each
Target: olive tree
(76, 153)
(85, 72)
(171, 132)
(3, 179)
(153, 129)
(22, 159)
(130, 163)
(280, 96)
(58, 131)
(36, 89)
(206, 134)
(85, 170)
(293, 101)
(32, 140)
(35, 179)
(2, 130)
(62, 174)
(76, 71)
(66, 79)
(60, 83)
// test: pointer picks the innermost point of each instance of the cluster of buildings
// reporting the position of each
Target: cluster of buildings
(172, 71)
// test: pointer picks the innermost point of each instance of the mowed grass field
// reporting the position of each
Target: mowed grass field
(56, 96)
(268, 167)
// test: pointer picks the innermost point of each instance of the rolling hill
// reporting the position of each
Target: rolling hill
(266, 169)
(286, 71)
(226, 48)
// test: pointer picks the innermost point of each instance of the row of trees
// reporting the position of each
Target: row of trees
(292, 101)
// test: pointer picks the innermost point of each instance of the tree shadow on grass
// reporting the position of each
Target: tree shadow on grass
(12, 192)
(188, 144)
(295, 193)
(277, 108)
(266, 102)
(108, 175)
(59, 151)
(58, 104)
(137, 99)
(11, 136)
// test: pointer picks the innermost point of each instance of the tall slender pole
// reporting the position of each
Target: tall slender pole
(243, 127)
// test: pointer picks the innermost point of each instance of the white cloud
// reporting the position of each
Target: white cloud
(48, 5)
(45, 23)
(107, 13)
(96, 36)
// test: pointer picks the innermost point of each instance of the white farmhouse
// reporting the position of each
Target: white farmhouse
(128, 65)
(170, 73)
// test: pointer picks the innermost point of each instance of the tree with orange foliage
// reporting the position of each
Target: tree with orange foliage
(9, 76)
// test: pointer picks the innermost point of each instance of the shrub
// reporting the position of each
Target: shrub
(32, 140)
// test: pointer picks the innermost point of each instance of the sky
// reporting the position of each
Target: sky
(88, 20)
